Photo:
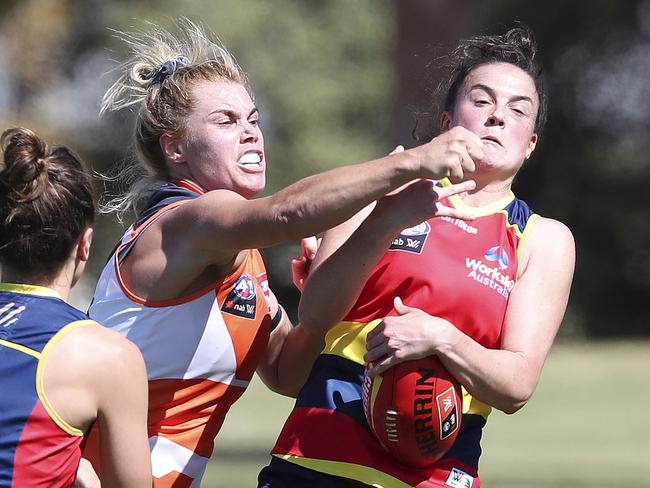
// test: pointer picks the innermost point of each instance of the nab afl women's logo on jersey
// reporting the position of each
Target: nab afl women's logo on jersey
(411, 239)
(241, 300)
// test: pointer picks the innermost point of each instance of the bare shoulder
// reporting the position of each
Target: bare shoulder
(217, 225)
(551, 234)
(199, 215)
(208, 206)
(550, 246)
(100, 350)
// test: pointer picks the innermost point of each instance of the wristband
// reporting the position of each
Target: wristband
(275, 321)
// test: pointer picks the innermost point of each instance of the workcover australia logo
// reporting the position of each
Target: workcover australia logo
(490, 274)
(241, 300)
(411, 239)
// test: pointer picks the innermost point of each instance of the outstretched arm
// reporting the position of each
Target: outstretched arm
(221, 223)
(504, 378)
(318, 202)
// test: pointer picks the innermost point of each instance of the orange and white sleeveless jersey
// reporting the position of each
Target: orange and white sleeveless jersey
(200, 351)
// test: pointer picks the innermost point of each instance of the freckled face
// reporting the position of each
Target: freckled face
(499, 103)
(223, 146)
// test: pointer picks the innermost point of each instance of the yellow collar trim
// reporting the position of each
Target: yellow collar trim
(29, 290)
(489, 209)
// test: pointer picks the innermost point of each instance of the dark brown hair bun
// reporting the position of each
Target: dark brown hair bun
(46, 201)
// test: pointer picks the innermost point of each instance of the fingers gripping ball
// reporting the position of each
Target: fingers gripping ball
(414, 409)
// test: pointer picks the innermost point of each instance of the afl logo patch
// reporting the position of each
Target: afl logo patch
(411, 239)
(241, 300)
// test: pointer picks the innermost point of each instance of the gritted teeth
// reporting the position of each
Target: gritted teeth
(251, 157)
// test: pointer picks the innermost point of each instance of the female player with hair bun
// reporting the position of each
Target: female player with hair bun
(60, 372)
(186, 282)
(485, 296)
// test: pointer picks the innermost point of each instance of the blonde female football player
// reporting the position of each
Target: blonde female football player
(186, 282)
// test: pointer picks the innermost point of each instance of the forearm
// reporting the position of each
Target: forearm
(289, 359)
(501, 378)
(322, 201)
(300, 351)
(325, 301)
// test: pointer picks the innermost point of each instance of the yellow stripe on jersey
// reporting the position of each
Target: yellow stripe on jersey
(29, 290)
(348, 340)
(41, 370)
(523, 238)
(492, 208)
(20, 348)
(473, 406)
(489, 209)
(364, 474)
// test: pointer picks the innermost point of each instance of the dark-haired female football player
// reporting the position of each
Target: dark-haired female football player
(393, 284)
(60, 372)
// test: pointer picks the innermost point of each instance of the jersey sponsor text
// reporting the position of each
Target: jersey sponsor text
(489, 276)
(461, 224)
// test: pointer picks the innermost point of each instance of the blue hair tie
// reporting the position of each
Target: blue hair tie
(162, 71)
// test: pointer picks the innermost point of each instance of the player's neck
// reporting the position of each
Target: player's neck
(487, 193)
(60, 283)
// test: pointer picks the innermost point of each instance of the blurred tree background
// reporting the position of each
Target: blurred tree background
(341, 81)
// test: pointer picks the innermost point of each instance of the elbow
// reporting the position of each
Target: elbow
(313, 322)
(271, 379)
(317, 325)
(511, 404)
(511, 408)
(290, 391)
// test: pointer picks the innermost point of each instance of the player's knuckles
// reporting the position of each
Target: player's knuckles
(457, 132)
(392, 344)
(369, 357)
(455, 147)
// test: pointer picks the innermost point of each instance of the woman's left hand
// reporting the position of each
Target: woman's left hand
(301, 265)
(412, 334)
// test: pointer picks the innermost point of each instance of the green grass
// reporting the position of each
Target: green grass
(588, 425)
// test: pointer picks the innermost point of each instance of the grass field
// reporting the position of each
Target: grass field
(588, 425)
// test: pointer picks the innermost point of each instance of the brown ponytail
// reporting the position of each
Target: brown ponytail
(46, 201)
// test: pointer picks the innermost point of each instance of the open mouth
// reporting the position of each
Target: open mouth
(251, 158)
(492, 139)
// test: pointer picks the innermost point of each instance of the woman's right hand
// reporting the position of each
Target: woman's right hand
(452, 154)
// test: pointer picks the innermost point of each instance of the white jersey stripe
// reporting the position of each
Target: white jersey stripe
(167, 456)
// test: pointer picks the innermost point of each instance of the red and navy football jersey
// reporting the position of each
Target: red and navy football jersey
(37, 447)
(462, 271)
